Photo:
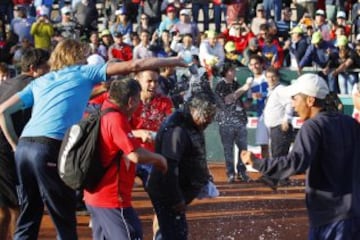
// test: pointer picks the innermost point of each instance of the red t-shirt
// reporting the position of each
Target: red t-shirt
(114, 190)
(123, 52)
(150, 116)
(241, 42)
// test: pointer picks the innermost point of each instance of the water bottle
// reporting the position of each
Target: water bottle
(187, 57)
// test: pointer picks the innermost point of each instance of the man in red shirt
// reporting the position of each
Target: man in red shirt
(149, 115)
(113, 216)
(120, 50)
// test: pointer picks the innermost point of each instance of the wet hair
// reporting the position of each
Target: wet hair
(68, 52)
(204, 103)
(33, 58)
(121, 90)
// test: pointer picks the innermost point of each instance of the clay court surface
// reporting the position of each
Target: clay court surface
(244, 211)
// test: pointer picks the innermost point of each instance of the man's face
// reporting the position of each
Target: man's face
(212, 41)
(230, 74)
(319, 19)
(187, 40)
(144, 37)
(272, 79)
(106, 39)
(255, 66)
(148, 81)
(301, 105)
(118, 39)
(171, 15)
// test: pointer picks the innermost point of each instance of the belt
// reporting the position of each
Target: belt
(43, 140)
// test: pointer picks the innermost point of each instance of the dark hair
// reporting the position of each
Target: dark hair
(227, 66)
(264, 27)
(256, 57)
(273, 70)
(121, 90)
(332, 103)
(33, 58)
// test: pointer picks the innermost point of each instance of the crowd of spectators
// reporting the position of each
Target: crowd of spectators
(324, 35)
(295, 34)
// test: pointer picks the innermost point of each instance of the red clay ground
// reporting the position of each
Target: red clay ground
(247, 211)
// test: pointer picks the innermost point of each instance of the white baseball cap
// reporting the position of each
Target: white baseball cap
(185, 12)
(95, 59)
(309, 84)
(320, 12)
(42, 11)
(65, 10)
(341, 14)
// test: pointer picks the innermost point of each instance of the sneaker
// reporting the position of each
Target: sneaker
(243, 177)
(231, 179)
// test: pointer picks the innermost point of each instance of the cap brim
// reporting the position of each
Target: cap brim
(291, 90)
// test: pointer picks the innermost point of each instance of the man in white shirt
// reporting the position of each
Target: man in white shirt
(186, 46)
(211, 51)
(278, 113)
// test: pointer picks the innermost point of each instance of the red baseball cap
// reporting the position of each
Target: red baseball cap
(170, 9)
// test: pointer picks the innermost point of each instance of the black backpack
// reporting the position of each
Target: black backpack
(78, 162)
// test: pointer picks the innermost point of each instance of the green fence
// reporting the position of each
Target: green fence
(214, 147)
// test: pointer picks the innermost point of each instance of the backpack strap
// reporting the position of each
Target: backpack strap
(107, 110)
(120, 152)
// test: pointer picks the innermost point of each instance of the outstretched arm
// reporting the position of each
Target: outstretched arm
(143, 64)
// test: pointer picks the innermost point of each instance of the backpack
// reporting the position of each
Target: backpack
(78, 161)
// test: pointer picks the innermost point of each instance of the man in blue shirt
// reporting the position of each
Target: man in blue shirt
(321, 54)
(58, 100)
(327, 149)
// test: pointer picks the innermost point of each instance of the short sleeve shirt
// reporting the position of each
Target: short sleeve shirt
(114, 190)
(150, 116)
(59, 99)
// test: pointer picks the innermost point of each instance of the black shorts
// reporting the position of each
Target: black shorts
(8, 179)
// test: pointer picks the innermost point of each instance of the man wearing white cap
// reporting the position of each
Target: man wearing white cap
(186, 26)
(326, 148)
(67, 27)
(322, 25)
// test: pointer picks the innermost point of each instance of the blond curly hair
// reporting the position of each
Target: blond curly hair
(68, 52)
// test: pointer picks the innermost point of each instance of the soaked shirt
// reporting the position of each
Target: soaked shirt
(150, 116)
(229, 114)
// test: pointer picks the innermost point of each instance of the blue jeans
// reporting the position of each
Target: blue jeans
(219, 10)
(346, 82)
(275, 5)
(6, 11)
(115, 223)
(230, 135)
(340, 230)
(39, 185)
(195, 13)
